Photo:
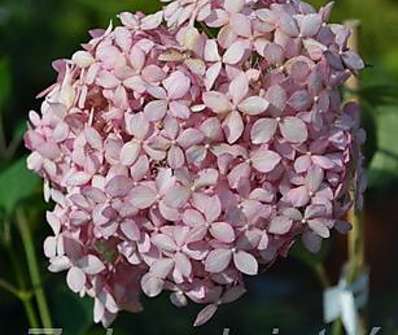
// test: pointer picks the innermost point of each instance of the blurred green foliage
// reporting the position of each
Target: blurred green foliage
(18, 184)
(33, 33)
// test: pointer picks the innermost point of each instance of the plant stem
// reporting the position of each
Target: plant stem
(320, 271)
(33, 266)
(9, 288)
(25, 298)
(337, 327)
(3, 144)
(30, 313)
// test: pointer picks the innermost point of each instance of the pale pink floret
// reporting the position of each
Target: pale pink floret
(181, 162)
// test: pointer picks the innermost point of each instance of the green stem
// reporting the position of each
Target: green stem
(320, 271)
(337, 327)
(26, 299)
(9, 288)
(30, 313)
(33, 266)
(3, 144)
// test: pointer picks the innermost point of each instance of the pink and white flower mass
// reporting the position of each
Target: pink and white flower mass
(186, 149)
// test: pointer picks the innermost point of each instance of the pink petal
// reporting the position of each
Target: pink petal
(280, 225)
(223, 232)
(218, 260)
(324, 162)
(164, 242)
(210, 206)
(76, 279)
(177, 197)
(274, 54)
(155, 110)
(153, 74)
(288, 25)
(234, 53)
(253, 105)
(91, 265)
(137, 125)
(151, 285)
(239, 88)
(277, 97)
(302, 164)
(183, 264)
(312, 242)
(136, 84)
(169, 213)
(300, 100)
(193, 218)
(217, 102)
(206, 177)
(190, 137)
(123, 38)
(233, 127)
(118, 186)
(161, 268)
(164, 180)
(206, 313)
(152, 21)
(263, 130)
(310, 25)
(314, 48)
(142, 197)
(177, 85)
(140, 168)
(318, 227)
(93, 138)
(178, 299)
(50, 247)
(314, 178)
(196, 66)
(78, 179)
(298, 197)
(211, 128)
(175, 157)
(129, 153)
(212, 74)
(352, 60)
(265, 160)
(245, 263)
(106, 79)
(234, 6)
(179, 110)
(137, 58)
(241, 25)
(239, 173)
(211, 51)
(294, 129)
(131, 230)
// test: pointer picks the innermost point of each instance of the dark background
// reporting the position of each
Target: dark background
(33, 33)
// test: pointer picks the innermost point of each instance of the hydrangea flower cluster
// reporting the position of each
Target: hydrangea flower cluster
(188, 148)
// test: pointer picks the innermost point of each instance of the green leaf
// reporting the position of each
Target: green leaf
(5, 82)
(17, 183)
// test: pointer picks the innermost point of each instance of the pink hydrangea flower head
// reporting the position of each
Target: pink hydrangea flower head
(188, 148)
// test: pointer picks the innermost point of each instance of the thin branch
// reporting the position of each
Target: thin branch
(25, 299)
(33, 266)
(5, 285)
